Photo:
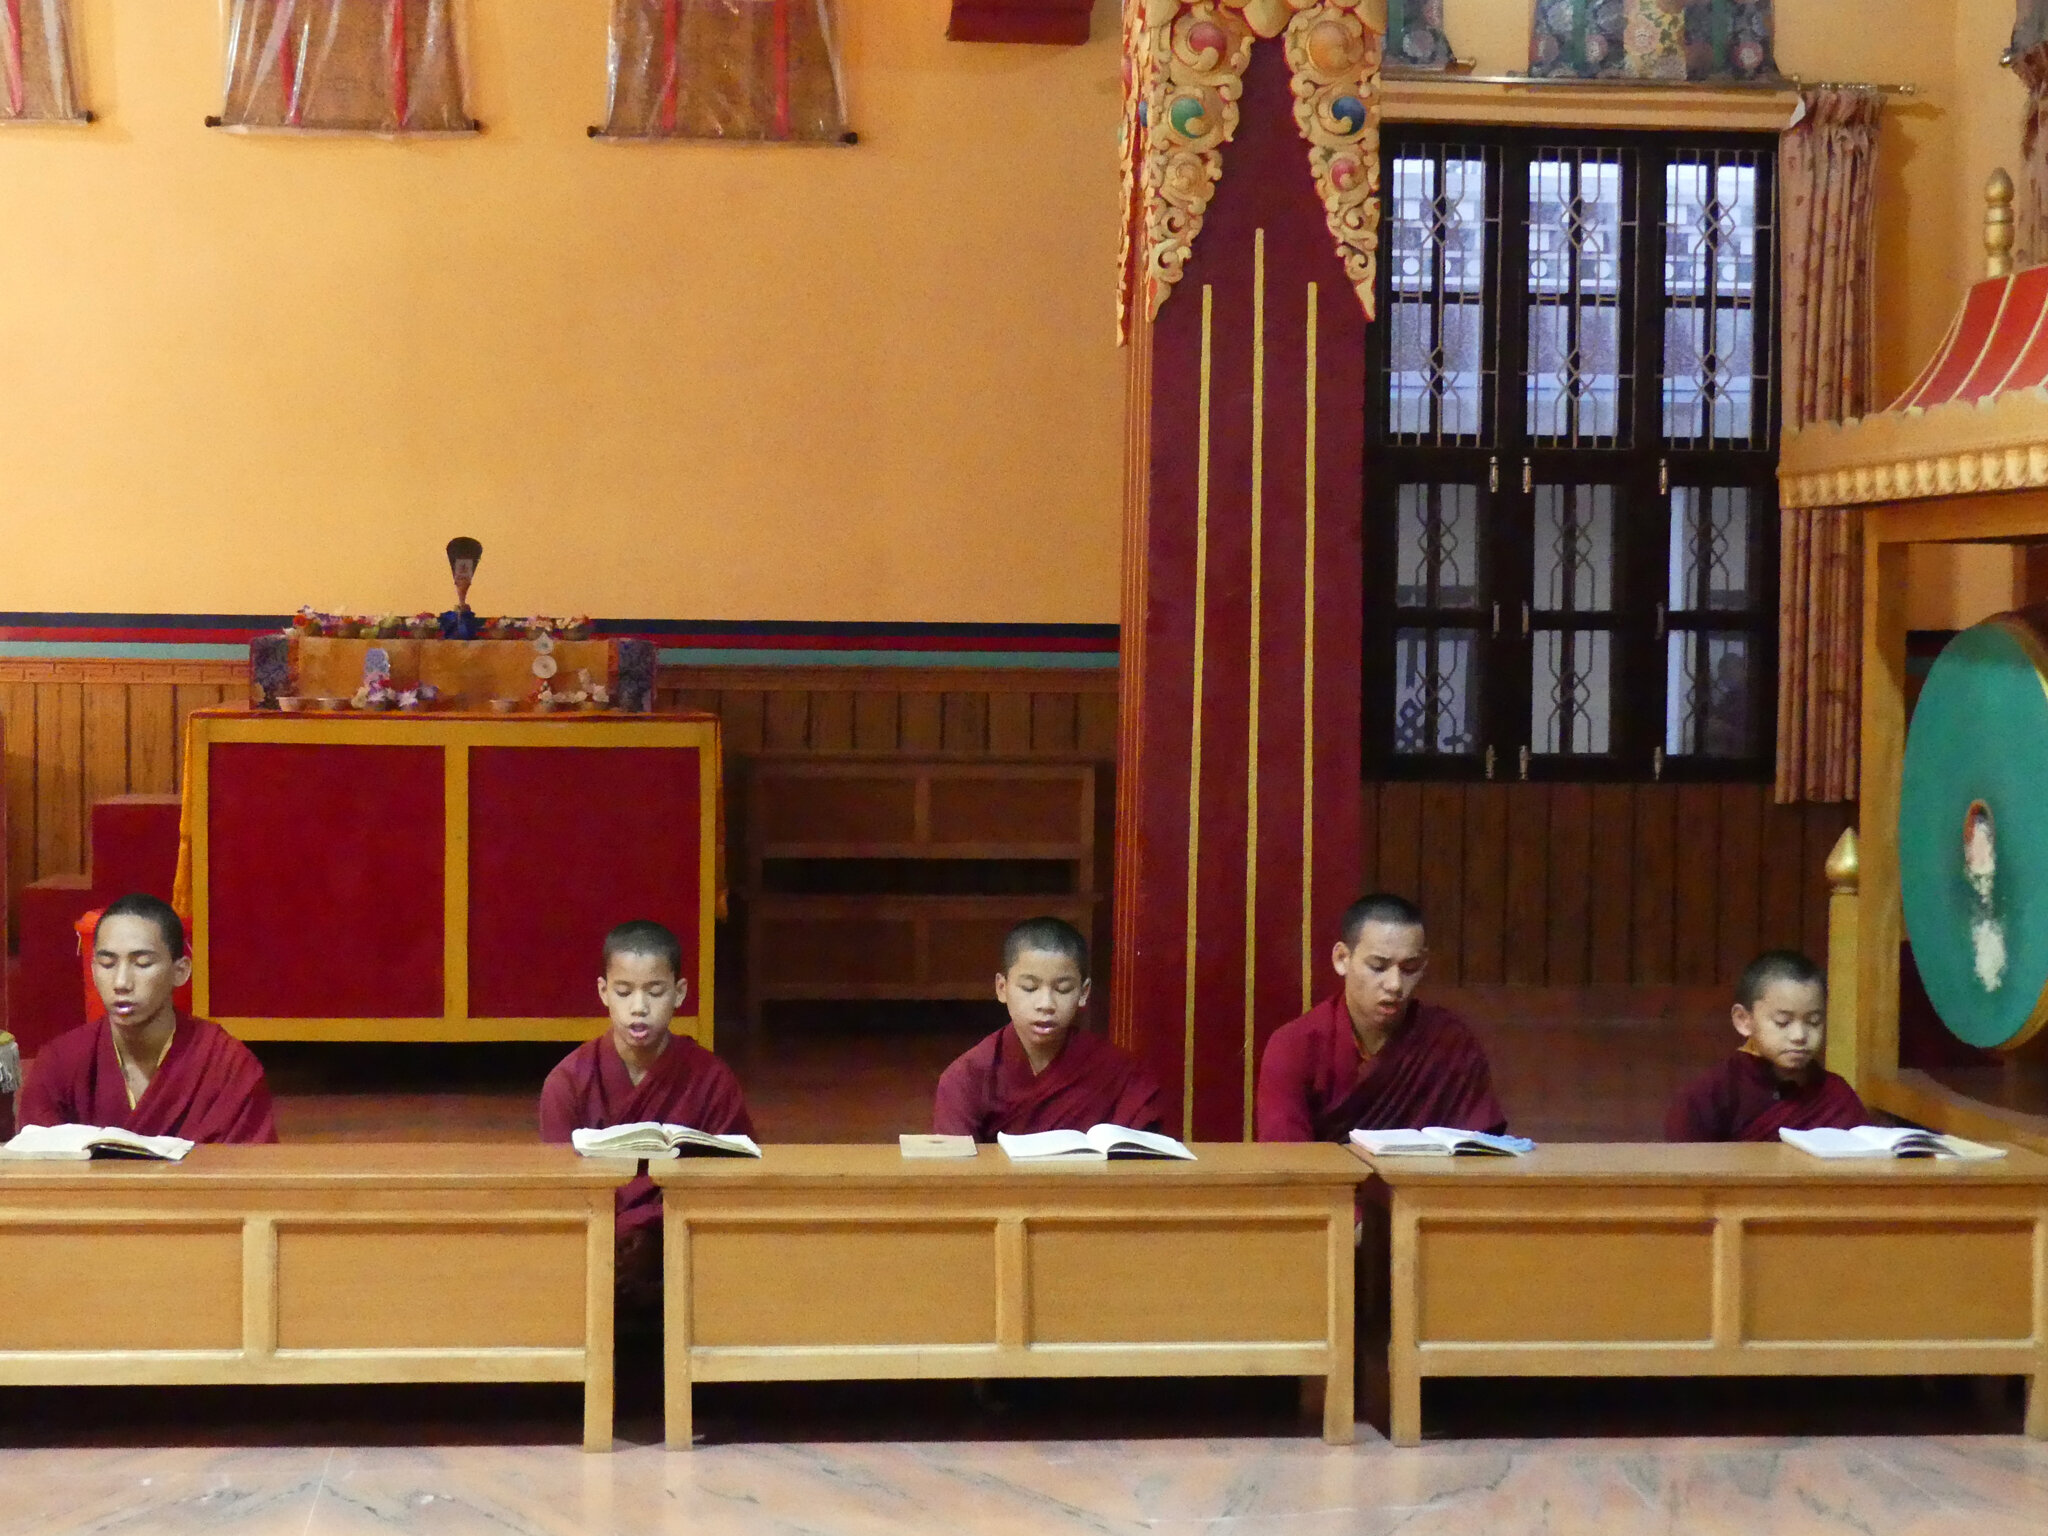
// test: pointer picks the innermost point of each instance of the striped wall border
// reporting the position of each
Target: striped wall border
(708, 643)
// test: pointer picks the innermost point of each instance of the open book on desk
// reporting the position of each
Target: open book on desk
(1099, 1143)
(1440, 1141)
(1889, 1141)
(80, 1143)
(651, 1139)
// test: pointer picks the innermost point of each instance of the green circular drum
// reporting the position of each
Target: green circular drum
(1973, 833)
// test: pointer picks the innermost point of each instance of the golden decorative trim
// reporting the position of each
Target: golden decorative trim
(1845, 864)
(122, 669)
(455, 881)
(1334, 48)
(1193, 64)
(1187, 1101)
(1308, 671)
(1251, 777)
(1954, 449)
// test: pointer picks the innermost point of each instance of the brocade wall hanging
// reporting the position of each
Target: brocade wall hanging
(1415, 35)
(1653, 40)
(2029, 59)
(765, 70)
(40, 71)
(2030, 27)
(1184, 63)
(368, 66)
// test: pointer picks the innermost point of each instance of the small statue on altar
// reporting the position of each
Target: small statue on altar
(459, 622)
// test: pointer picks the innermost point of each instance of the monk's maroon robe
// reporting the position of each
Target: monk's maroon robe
(208, 1088)
(1744, 1099)
(1315, 1084)
(991, 1088)
(590, 1089)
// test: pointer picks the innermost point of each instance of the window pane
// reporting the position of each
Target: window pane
(1578, 362)
(1574, 548)
(1713, 231)
(1438, 248)
(1436, 691)
(1710, 550)
(1707, 705)
(1571, 698)
(1438, 547)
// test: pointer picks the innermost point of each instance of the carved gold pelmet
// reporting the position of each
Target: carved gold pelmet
(1960, 448)
(1183, 79)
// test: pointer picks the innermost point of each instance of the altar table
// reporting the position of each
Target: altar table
(442, 876)
(1715, 1260)
(320, 1264)
(855, 1263)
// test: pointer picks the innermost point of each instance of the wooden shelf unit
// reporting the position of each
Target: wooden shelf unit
(968, 822)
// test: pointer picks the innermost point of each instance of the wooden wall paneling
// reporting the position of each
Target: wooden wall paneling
(963, 722)
(923, 729)
(831, 722)
(1738, 903)
(1571, 879)
(787, 723)
(1400, 840)
(153, 745)
(742, 719)
(1527, 944)
(185, 698)
(60, 780)
(18, 706)
(1653, 896)
(1696, 943)
(1484, 947)
(1781, 888)
(1055, 723)
(704, 699)
(1009, 724)
(105, 745)
(1095, 725)
(1443, 877)
(1368, 842)
(876, 714)
(1611, 881)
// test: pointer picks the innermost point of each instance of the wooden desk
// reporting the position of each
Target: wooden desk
(853, 1263)
(1709, 1260)
(258, 1265)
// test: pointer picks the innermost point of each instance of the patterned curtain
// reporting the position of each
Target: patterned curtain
(1415, 34)
(1652, 40)
(2030, 63)
(1827, 193)
(38, 74)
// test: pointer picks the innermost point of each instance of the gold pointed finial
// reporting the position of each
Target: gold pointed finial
(1998, 226)
(1844, 864)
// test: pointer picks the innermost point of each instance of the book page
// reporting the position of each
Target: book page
(1109, 1139)
(1043, 1144)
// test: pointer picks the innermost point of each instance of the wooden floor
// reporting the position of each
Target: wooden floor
(1571, 1064)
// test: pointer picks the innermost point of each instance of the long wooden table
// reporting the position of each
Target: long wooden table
(852, 1263)
(348, 1263)
(1709, 1260)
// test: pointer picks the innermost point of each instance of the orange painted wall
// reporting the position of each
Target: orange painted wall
(243, 373)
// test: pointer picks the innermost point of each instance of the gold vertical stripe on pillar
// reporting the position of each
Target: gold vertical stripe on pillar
(1187, 1098)
(1308, 675)
(1251, 779)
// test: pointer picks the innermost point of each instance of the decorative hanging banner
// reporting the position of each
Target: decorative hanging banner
(1415, 35)
(1652, 40)
(364, 66)
(1184, 64)
(753, 70)
(38, 75)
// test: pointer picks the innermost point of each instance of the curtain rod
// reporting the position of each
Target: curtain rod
(1780, 87)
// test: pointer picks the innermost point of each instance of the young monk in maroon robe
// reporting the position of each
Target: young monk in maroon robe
(1775, 1081)
(1373, 1057)
(1038, 1072)
(145, 1068)
(636, 1071)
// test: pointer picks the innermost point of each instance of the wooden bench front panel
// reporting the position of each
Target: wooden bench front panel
(1893, 1280)
(149, 1286)
(1609, 1282)
(1177, 1282)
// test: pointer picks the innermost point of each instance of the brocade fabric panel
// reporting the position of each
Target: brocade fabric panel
(726, 69)
(372, 66)
(38, 69)
(2030, 26)
(1653, 40)
(1415, 34)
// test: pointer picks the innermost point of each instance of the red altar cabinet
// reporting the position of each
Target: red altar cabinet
(442, 876)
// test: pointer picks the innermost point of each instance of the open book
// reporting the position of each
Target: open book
(1889, 1141)
(77, 1143)
(1096, 1144)
(1440, 1141)
(652, 1139)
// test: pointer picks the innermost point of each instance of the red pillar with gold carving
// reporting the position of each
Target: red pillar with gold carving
(1239, 790)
